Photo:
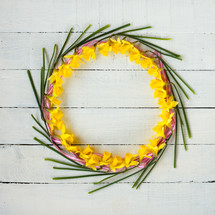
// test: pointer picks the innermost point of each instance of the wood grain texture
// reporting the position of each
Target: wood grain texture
(24, 47)
(57, 16)
(153, 198)
(105, 89)
(107, 103)
(105, 126)
(27, 165)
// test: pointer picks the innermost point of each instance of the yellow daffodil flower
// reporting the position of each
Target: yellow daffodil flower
(93, 162)
(117, 163)
(130, 160)
(159, 130)
(66, 70)
(51, 126)
(156, 83)
(154, 142)
(160, 93)
(69, 138)
(146, 62)
(57, 90)
(167, 118)
(86, 153)
(115, 44)
(134, 55)
(155, 71)
(52, 78)
(54, 101)
(104, 48)
(74, 149)
(60, 126)
(143, 151)
(154, 147)
(64, 143)
(125, 47)
(56, 115)
(63, 71)
(88, 53)
(106, 159)
(56, 78)
(167, 104)
(75, 60)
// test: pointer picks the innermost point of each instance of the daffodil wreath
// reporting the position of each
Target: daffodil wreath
(166, 85)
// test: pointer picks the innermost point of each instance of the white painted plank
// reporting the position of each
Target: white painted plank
(120, 199)
(104, 89)
(24, 51)
(168, 190)
(105, 126)
(26, 164)
(54, 16)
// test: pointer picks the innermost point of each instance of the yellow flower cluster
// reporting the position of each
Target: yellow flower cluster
(166, 103)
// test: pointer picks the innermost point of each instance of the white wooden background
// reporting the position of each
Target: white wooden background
(108, 104)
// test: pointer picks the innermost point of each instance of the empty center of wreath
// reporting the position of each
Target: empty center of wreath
(108, 104)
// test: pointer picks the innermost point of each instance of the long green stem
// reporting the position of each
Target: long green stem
(136, 29)
(179, 85)
(185, 83)
(152, 167)
(49, 67)
(99, 182)
(85, 40)
(109, 32)
(183, 110)
(115, 174)
(34, 88)
(153, 48)
(42, 77)
(89, 38)
(121, 179)
(181, 125)
(144, 170)
(179, 114)
(151, 44)
(180, 118)
(41, 85)
(39, 124)
(183, 137)
(170, 68)
(147, 37)
(79, 176)
(37, 98)
(47, 137)
(49, 147)
(36, 95)
(44, 62)
(66, 164)
(75, 169)
(67, 38)
(169, 72)
(176, 139)
(94, 33)
(72, 165)
(159, 47)
(81, 35)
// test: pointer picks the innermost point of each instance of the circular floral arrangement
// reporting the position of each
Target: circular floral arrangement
(62, 66)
